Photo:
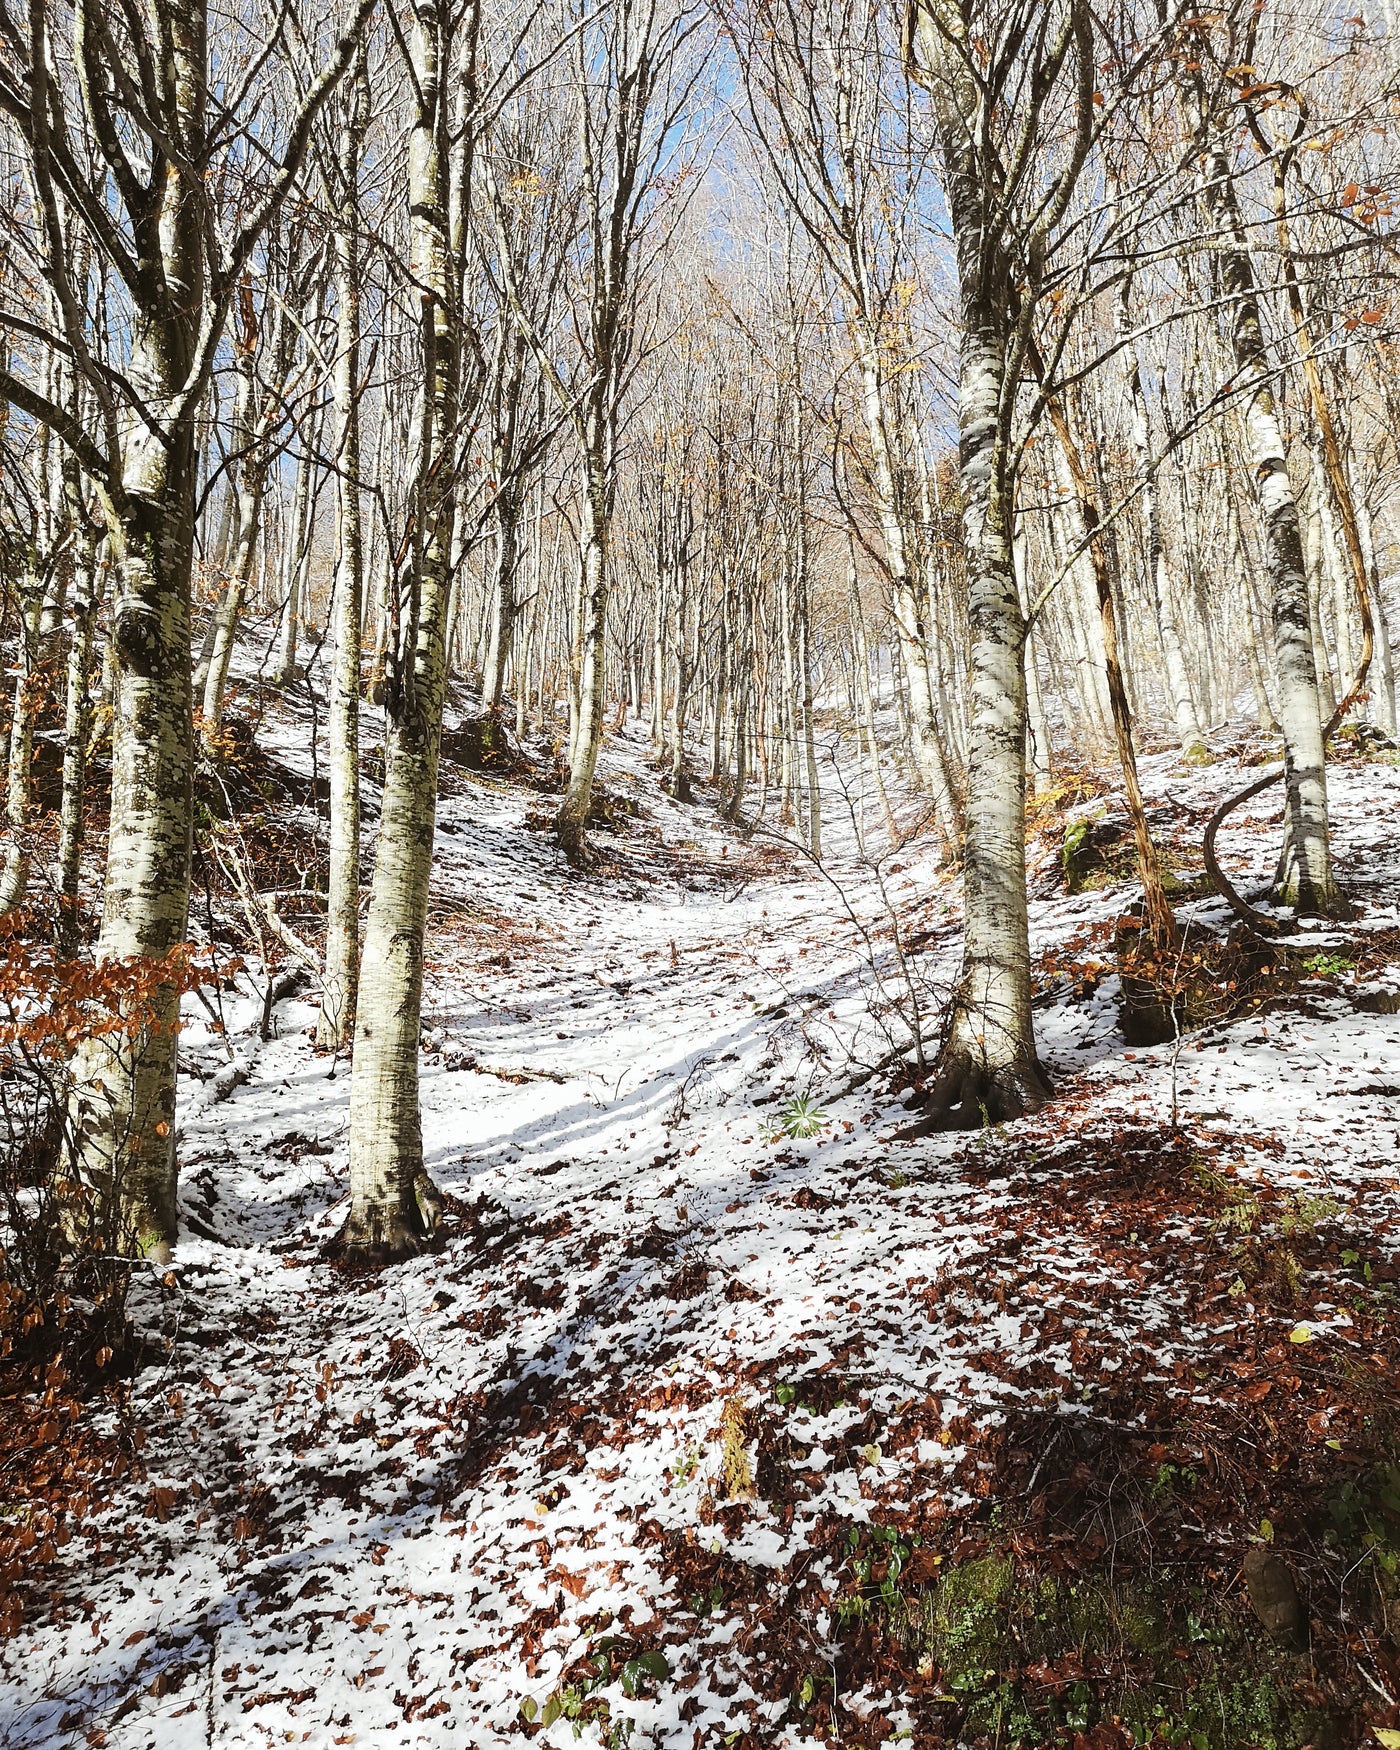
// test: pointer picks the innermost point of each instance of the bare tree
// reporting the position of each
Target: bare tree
(117, 133)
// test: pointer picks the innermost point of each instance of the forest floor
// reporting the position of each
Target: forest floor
(693, 1429)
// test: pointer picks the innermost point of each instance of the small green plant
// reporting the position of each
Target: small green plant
(579, 1701)
(1242, 1210)
(787, 1396)
(1328, 965)
(686, 1466)
(1287, 1272)
(1172, 1479)
(706, 1603)
(800, 1119)
(1351, 1259)
(1241, 1213)
(1306, 1214)
(810, 1688)
(878, 1565)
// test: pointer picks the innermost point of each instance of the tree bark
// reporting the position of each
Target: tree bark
(988, 1069)
(392, 1204)
(77, 720)
(1178, 687)
(251, 478)
(1305, 878)
(341, 975)
(595, 515)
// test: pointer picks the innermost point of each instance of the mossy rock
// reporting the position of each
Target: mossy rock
(480, 744)
(1096, 853)
(963, 1622)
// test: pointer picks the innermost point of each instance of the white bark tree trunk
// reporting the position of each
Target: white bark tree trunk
(249, 500)
(1188, 726)
(1304, 878)
(392, 1203)
(595, 515)
(77, 719)
(342, 966)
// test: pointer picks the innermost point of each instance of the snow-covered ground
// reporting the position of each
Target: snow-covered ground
(667, 1355)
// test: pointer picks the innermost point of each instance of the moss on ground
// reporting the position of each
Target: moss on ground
(1200, 1674)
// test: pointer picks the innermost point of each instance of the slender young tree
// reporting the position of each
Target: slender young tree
(634, 73)
(340, 177)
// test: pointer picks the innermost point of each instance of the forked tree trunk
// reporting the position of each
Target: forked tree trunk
(144, 95)
(124, 1094)
(988, 1069)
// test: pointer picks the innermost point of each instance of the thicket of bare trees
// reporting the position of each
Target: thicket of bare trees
(986, 387)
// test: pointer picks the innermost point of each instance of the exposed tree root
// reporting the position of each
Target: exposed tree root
(573, 840)
(1252, 920)
(967, 1094)
(385, 1233)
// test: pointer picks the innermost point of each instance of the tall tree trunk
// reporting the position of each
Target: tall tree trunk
(595, 515)
(804, 671)
(1305, 878)
(911, 623)
(391, 1203)
(1037, 731)
(144, 92)
(685, 664)
(502, 598)
(502, 605)
(296, 556)
(342, 968)
(125, 1088)
(251, 478)
(1188, 727)
(988, 1069)
(1146, 1018)
(14, 879)
(77, 720)
(1383, 690)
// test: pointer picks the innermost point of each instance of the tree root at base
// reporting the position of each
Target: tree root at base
(968, 1095)
(385, 1233)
